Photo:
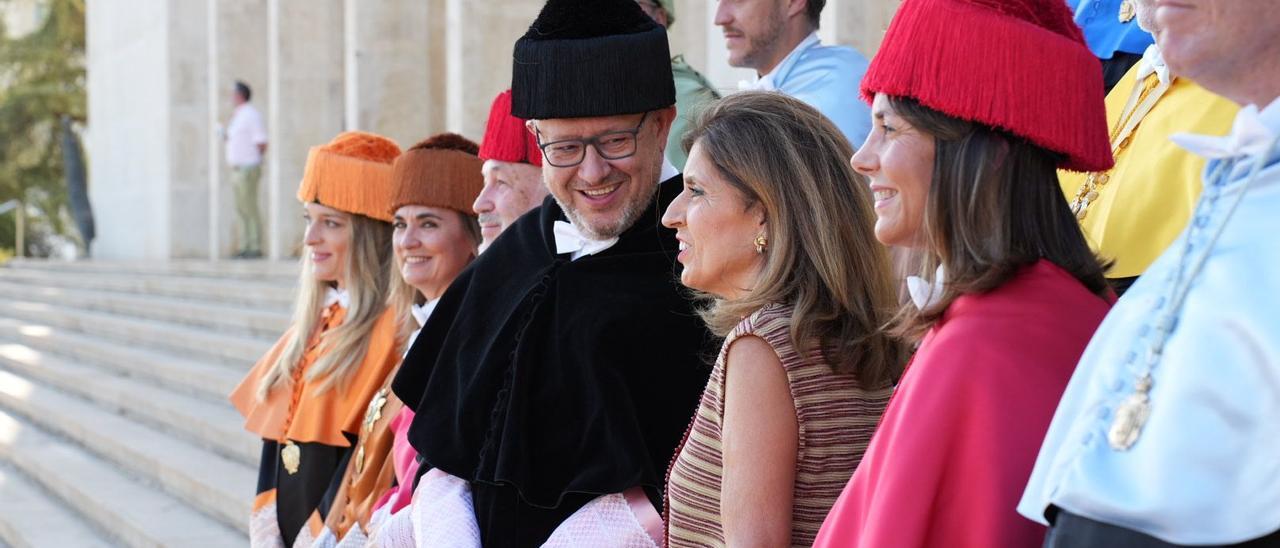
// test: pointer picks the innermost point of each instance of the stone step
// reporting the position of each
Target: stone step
(211, 382)
(281, 271)
(135, 514)
(213, 426)
(224, 318)
(216, 486)
(258, 293)
(233, 350)
(31, 518)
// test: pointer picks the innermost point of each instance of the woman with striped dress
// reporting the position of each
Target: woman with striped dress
(776, 229)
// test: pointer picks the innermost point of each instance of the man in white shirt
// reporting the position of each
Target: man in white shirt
(246, 138)
(1166, 435)
(779, 39)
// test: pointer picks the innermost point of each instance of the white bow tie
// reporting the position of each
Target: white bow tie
(1153, 62)
(338, 296)
(423, 311)
(571, 240)
(1249, 137)
(924, 294)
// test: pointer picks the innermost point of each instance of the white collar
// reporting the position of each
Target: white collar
(337, 296)
(668, 170)
(924, 294)
(768, 82)
(571, 240)
(1153, 62)
(423, 311)
(1251, 134)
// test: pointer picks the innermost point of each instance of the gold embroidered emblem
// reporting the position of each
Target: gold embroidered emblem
(371, 416)
(374, 412)
(291, 457)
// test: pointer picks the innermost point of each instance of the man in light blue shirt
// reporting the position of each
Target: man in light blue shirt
(1169, 432)
(779, 39)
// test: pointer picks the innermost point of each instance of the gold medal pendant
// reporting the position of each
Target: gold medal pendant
(374, 412)
(291, 457)
(359, 462)
(1127, 11)
(1130, 418)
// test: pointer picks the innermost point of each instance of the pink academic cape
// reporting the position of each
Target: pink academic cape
(953, 452)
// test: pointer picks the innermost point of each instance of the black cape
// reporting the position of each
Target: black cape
(558, 377)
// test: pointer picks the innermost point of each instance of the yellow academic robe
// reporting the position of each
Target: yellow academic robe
(1155, 183)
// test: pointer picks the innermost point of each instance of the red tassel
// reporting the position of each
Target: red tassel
(1017, 65)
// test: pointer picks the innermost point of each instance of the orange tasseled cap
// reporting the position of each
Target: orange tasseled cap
(352, 173)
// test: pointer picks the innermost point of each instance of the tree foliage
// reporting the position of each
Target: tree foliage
(42, 79)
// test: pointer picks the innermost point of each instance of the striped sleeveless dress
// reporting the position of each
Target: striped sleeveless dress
(836, 419)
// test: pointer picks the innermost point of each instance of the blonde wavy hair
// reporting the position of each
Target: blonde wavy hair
(344, 347)
(822, 256)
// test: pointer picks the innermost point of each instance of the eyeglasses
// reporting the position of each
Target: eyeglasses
(614, 145)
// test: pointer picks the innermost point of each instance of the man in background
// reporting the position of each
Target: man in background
(779, 39)
(512, 171)
(246, 138)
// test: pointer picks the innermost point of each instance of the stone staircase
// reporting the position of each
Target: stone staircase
(114, 424)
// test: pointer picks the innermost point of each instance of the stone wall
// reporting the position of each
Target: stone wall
(160, 75)
(128, 138)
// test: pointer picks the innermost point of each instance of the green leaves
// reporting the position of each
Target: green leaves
(42, 78)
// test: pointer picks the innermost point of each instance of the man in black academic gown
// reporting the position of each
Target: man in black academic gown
(567, 361)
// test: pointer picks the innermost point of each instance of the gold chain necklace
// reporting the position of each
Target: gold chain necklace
(1140, 103)
(1132, 413)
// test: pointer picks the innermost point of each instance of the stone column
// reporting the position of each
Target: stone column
(480, 37)
(857, 23)
(389, 69)
(148, 138)
(126, 140)
(189, 131)
(306, 108)
(687, 33)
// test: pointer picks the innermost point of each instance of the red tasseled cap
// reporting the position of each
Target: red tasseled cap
(505, 137)
(1017, 65)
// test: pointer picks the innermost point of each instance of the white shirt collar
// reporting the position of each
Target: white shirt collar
(668, 170)
(1153, 62)
(768, 82)
(423, 311)
(1251, 134)
(924, 294)
(338, 296)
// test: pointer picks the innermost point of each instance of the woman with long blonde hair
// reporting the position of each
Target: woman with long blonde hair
(306, 397)
(776, 229)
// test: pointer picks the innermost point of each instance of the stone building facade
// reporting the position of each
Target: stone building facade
(160, 75)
